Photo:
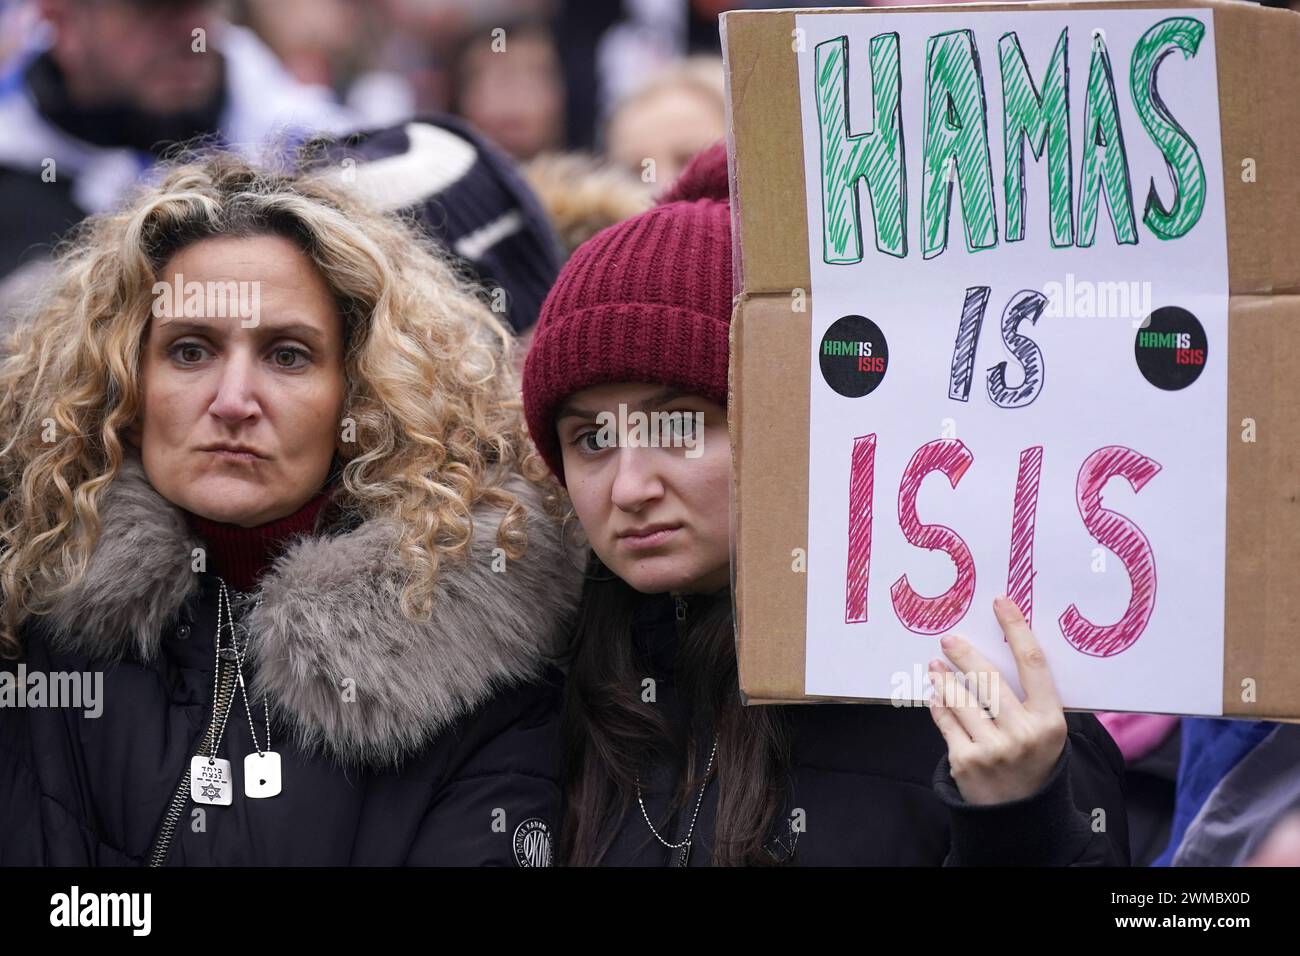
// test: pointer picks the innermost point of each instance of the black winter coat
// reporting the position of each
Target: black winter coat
(869, 786)
(421, 743)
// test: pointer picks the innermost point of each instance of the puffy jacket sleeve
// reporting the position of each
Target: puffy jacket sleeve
(46, 815)
(498, 801)
(21, 831)
(1076, 818)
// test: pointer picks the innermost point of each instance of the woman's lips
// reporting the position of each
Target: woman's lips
(234, 456)
(644, 542)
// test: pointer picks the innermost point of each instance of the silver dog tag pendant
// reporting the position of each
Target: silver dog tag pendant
(262, 774)
(210, 781)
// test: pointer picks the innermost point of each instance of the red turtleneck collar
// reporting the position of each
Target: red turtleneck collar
(241, 555)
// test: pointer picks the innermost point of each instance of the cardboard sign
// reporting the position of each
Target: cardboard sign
(1009, 364)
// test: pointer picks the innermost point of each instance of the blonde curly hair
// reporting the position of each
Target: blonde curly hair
(430, 381)
(584, 195)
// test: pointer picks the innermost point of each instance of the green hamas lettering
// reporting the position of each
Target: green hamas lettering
(1043, 120)
(1183, 34)
(955, 155)
(840, 347)
(875, 156)
(956, 149)
(1164, 340)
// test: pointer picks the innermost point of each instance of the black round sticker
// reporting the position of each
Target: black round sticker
(1170, 348)
(854, 356)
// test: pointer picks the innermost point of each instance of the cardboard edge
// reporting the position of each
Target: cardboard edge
(1262, 514)
(762, 71)
(770, 596)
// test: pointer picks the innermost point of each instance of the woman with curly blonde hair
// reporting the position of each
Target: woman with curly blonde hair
(308, 602)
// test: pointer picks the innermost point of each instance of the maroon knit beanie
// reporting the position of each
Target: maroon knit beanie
(646, 300)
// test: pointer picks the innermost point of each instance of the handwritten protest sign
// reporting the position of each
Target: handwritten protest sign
(1016, 339)
(969, 417)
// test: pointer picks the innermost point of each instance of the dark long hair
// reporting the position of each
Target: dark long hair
(610, 733)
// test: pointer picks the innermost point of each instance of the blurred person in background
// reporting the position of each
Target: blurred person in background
(1237, 796)
(583, 194)
(1282, 847)
(1150, 744)
(609, 48)
(465, 194)
(103, 87)
(316, 40)
(506, 80)
(17, 22)
(410, 48)
(677, 113)
(498, 220)
(339, 44)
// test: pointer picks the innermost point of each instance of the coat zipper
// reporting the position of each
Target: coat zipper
(226, 678)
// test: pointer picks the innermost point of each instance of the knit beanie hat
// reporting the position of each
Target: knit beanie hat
(646, 300)
(466, 194)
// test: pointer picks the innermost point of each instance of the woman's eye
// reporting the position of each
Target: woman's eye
(587, 441)
(293, 354)
(187, 353)
(683, 425)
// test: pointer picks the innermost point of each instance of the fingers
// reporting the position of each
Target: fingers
(952, 696)
(992, 690)
(954, 734)
(1031, 663)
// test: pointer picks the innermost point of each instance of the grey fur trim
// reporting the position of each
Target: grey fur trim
(138, 576)
(330, 614)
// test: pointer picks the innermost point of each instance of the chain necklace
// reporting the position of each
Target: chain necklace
(684, 845)
(210, 779)
(239, 660)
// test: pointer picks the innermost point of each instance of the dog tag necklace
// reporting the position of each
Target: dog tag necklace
(684, 847)
(261, 770)
(210, 777)
(262, 776)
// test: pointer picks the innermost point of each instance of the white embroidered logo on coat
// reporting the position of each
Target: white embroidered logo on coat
(533, 843)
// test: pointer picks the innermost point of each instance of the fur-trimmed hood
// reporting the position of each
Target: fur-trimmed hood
(330, 612)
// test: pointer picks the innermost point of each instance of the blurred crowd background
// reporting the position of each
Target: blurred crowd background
(608, 98)
(626, 78)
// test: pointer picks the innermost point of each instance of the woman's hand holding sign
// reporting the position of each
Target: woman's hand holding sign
(999, 747)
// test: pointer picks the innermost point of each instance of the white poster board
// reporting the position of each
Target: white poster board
(1038, 346)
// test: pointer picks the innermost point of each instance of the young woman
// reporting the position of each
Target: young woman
(664, 764)
(264, 506)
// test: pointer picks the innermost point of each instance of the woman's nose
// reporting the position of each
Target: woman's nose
(637, 480)
(235, 399)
